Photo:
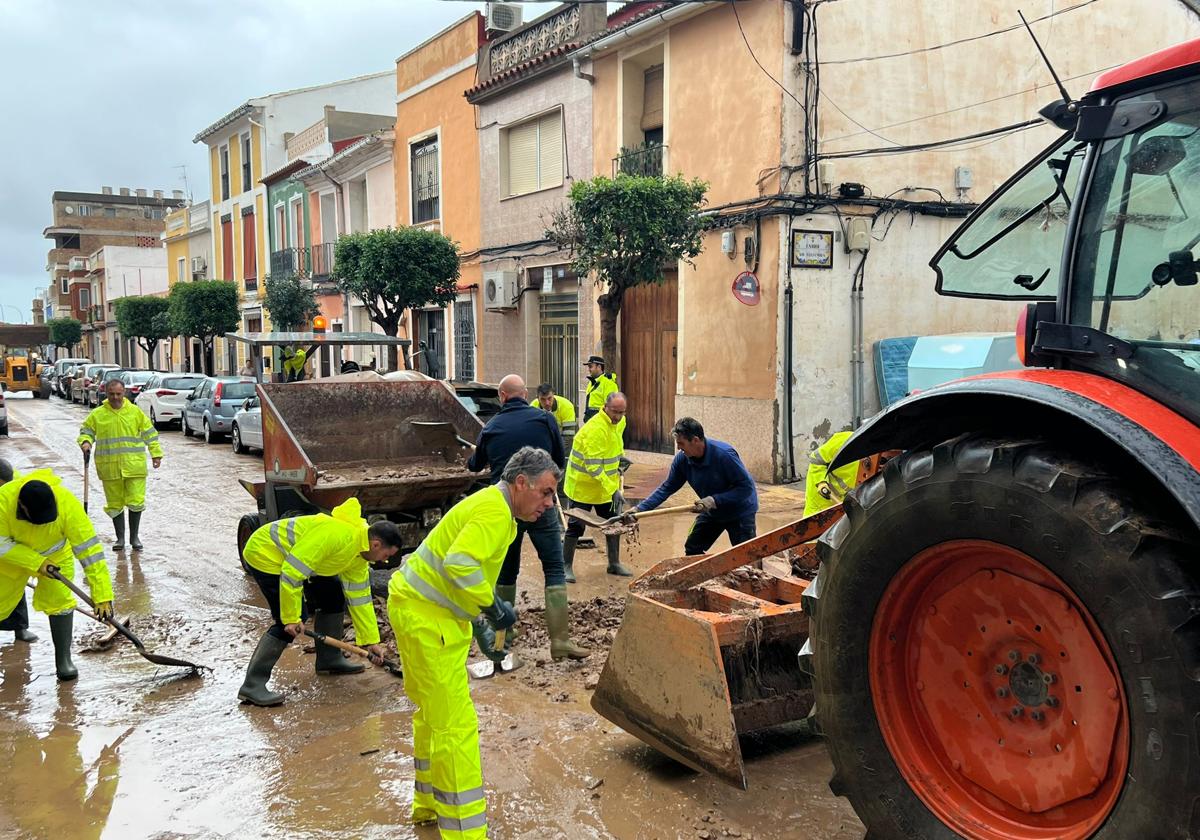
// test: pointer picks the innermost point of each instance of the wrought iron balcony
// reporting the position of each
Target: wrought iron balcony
(289, 261)
(644, 160)
(322, 262)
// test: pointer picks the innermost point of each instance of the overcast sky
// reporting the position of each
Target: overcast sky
(111, 92)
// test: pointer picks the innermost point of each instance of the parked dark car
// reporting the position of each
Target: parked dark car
(209, 409)
(93, 392)
(82, 384)
(134, 381)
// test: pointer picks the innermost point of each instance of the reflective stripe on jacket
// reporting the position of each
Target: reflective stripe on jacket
(327, 546)
(120, 438)
(592, 475)
(840, 481)
(599, 389)
(68, 539)
(564, 413)
(456, 567)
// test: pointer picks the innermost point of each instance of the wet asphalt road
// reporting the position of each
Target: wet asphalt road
(134, 750)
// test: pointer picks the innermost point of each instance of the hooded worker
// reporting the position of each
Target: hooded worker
(593, 480)
(118, 433)
(443, 595)
(42, 524)
(18, 620)
(322, 562)
(823, 488)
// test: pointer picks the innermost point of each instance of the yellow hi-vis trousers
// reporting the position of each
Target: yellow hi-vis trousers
(449, 780)
(121, 493)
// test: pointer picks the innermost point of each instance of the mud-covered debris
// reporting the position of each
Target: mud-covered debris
(591, 681)
(592, 784)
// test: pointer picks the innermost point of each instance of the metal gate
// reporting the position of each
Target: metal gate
(560, 344)
(464, 340)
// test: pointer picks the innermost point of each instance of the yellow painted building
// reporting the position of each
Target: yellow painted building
(188, 240)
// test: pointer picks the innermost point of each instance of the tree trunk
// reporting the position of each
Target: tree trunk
(610, 308)
(396, 360)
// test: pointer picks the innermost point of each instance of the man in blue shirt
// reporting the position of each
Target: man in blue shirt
(728, 498)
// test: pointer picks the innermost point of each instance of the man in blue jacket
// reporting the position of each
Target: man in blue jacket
(728, 498)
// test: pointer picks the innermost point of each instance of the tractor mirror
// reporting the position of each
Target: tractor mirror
(1156, 155)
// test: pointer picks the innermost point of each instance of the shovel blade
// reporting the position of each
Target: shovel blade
(487, 668)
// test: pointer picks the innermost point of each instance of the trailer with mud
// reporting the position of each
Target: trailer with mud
(1002, 638)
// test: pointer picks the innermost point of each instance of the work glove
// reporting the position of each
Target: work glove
(500, 614)
(104, 610)
(825, 491)
(706, 505)
(623, 465)
(628, 518)
(618, 503)
(485, 637)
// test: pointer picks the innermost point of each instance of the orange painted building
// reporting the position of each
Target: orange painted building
(437, 185)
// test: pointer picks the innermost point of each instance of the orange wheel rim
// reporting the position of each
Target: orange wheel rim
(997, 695)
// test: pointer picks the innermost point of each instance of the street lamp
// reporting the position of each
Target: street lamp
(20, 314)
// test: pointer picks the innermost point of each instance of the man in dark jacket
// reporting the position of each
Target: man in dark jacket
(518, 425)
(728, 498)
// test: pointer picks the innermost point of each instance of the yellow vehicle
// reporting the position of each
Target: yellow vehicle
(20, 370)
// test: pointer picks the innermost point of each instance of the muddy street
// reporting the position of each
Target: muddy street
(131, 749)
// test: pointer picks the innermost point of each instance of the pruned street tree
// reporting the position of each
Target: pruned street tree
(625, 231)
(144, 318)
(204, 309)
(290, 302)
(396, 269)
(65, 332)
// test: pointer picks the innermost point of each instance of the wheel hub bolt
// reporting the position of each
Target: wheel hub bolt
(1016, 711)
(1052, 701)
(1001, 692)
(1014, 655)
(1049, 679)
(1034, 659)
(1002, 669)
(1036, 715)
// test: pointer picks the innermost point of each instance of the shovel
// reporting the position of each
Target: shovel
(489, 668)
(157, 659)
(589, 518)
(438, 434)
(389, 665)
(87, 457)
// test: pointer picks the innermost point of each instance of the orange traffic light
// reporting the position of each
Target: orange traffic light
(320, 322)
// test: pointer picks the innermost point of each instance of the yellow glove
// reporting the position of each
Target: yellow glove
(104, 610)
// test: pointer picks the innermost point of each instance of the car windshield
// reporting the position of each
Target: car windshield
(237, 390)
(182, 383)
(138, 377)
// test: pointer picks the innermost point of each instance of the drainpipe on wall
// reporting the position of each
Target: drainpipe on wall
(339, 221)
(579, 74)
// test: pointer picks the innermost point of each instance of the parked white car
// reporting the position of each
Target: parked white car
(163, 397)
(246, 433)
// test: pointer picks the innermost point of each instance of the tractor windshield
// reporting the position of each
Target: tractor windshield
(1135, 275)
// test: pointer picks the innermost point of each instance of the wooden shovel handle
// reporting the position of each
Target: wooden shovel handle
(646, 514)
(390, 664)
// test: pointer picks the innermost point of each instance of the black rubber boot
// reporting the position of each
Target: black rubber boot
(135, 519)
(18, 623)
(254, 688)
(25, 635)
(60, 632)
(613, 543)
(330, 660)
(119, 529)
(569, 543)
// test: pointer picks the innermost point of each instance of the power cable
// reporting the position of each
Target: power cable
(919, 147)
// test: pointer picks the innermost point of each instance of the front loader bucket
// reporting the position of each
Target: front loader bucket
(707, 652)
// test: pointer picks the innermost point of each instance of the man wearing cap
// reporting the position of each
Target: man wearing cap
(600, 385)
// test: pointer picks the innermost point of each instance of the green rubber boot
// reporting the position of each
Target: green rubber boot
(569, 543)
(60, 633)
(613, 544)
(254, 688)
(558, 626)
(330, 660)
(509, 593)
(119, 530)
(135, 520)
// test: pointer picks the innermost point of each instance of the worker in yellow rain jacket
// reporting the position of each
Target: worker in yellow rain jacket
(822, 488)
(42, 524)
(18, 620)
(294, 362)
(118, 433)
(561, 407)
(322, 562)
(600, 385)
(594, 482)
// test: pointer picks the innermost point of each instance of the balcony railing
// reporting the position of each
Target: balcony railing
(322, 262)
(645, 160)
(315, 263)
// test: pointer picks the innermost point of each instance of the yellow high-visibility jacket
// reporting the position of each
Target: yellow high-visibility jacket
(456, 567)
(119, 439)
(25, 546)
(599, 389)
(324, 545)
(564, 413)
(840, 480)
(595, 455)
(293, 368)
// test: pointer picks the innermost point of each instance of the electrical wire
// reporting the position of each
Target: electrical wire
(750, 49)
(920, 147)
(961, 40)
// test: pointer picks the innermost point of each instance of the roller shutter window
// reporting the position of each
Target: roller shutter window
(652, 99)
(535, 154)
(550, 151)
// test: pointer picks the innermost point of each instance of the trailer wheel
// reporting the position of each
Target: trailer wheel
(1006, 645)
(247, 525)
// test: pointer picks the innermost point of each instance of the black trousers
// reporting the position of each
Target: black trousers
(575, 527)
(705, 531)
(18, 619)
(546, 536)
(322, 594)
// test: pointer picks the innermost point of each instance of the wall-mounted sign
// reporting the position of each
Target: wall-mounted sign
(547, 280)
(746, 288)
(812, 249)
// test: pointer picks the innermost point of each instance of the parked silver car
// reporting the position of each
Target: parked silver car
(209, 409)
(80, 384)
(247, 427)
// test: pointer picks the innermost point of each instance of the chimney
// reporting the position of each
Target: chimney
(124, 190)
(141, 193)
(177, 195)
(158, 193)
(106, 191)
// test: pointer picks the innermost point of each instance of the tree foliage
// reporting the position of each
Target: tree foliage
(290, 302)
(144, 318)
(396, 269)
(65, 332)
(204, 309)
(625, 231)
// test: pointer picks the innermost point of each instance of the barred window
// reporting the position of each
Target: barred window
(426, 190)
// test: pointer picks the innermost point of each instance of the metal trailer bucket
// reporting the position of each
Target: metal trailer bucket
(706, 653)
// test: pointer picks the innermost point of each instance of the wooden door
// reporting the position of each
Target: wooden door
(649, 326)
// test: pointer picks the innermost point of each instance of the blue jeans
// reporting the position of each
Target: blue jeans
(705, 531)
(546, 534)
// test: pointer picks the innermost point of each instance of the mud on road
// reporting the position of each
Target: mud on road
(132, 750)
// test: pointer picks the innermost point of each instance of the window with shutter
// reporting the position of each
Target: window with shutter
(550, 151)
(652, 99)
(523, 158)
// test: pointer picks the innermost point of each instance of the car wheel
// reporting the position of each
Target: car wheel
(247, 525)
(4, 430)
(154, 421)
(210, 436)
(235, 438)
(183, 424)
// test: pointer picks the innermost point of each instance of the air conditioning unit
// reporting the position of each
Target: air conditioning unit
(198, 265)
(503, 17)
(500, 290)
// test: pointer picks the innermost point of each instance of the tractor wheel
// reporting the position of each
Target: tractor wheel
(1006, 646)
(247, 525)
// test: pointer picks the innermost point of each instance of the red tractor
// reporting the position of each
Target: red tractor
(1005, 629)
